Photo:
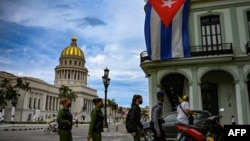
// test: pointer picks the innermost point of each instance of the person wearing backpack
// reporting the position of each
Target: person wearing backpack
(133, 120)
(156, 118)
(97, 121)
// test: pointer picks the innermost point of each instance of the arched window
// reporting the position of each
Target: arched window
(210, 97)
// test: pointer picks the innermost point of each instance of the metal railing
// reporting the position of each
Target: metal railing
(205, 50)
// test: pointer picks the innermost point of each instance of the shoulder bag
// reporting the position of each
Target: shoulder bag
(190, 117)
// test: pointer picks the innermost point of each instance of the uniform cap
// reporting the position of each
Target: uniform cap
(160, 93)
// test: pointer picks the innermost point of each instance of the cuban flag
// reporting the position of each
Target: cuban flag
(166, 29)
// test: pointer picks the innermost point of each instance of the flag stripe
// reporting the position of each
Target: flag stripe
(166, 43)
(186, 46)
(155, 29)
(177, 50)
(147, 31)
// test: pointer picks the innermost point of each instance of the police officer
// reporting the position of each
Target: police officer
(96, 122)
(65, 121)
(156, 118)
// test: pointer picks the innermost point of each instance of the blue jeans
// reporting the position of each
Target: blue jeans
(183, 138)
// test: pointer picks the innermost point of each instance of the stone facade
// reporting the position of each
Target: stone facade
(218, 72)
(42, 100)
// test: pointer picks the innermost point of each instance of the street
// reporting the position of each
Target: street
(25, 133)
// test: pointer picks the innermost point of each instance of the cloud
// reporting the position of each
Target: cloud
(110, 33)
(90, 21)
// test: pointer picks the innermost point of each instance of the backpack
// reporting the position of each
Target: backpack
(129, 120)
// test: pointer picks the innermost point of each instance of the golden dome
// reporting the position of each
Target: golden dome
(72, 50)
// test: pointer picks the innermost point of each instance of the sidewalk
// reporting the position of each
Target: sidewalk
(115, 131)
(20, 127)
(112, 131)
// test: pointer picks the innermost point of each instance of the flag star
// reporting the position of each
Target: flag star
(168, 3)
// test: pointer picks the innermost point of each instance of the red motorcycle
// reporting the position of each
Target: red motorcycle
(209, 129)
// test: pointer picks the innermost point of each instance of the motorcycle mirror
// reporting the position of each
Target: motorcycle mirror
(221, 110)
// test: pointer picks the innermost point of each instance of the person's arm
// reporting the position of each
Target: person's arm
(60, 119)
(155, 118)
(187, 109)
(133, 118)
(92, 122)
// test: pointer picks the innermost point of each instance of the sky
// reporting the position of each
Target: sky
(33, 33)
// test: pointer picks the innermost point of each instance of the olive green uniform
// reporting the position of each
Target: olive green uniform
(96, 124)
(64, 129)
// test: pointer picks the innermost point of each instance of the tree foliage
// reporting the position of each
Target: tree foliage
(9, 92)
(111, 103)
(66, 92)
(144, 114)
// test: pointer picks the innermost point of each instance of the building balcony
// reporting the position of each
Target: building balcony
(210, 50)
(201, 50)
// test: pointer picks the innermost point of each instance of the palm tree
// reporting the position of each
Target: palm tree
(144, 115)
(9, 93)
(3, 86)
(2, 98)
(111, 104)
(66, 92)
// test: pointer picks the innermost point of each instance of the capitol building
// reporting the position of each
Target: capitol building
(42, 100)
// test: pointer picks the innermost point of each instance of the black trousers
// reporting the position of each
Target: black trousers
(162, 137)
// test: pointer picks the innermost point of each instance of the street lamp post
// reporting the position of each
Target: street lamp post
(106, 81)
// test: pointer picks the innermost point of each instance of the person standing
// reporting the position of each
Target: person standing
(76, 120)
(233, 120)
(83, 118)
(65, 121)
(134, 118)
(96, 122)
(156, 118)
(183, 110)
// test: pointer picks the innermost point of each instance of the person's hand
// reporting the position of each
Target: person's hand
(103, 124)
(69, 122)
(142, 131)
(133, 134)
(88, 137)
(158, 133)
